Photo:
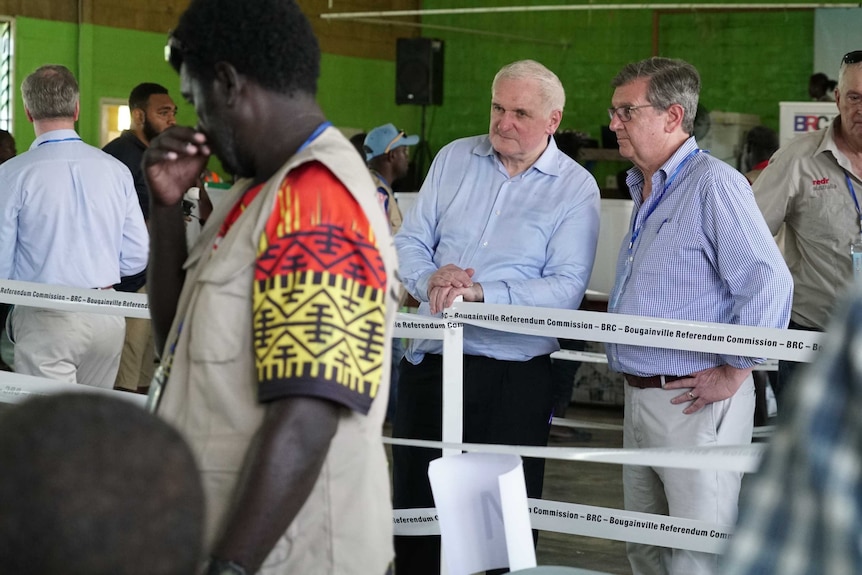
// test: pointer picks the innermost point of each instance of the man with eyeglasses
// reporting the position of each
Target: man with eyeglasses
(502, 218)
(813, 185)
(697, 249)
(152, 111)
(275, 325)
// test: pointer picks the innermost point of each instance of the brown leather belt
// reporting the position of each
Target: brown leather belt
(651, 381)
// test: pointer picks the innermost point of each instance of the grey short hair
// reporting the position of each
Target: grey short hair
(550, 87)
(671, 82)
(841, 72)
(50, 92)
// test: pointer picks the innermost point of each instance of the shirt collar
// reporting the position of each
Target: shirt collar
(827, 143)
(133, 137)
(635, 178)
(546, 163)
(679, 156)
(379, 175)
(54, 135)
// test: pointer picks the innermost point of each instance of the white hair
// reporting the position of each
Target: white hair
(550, 88)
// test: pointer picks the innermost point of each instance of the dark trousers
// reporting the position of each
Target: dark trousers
(506, 402)
(563, 373)
(787, 370)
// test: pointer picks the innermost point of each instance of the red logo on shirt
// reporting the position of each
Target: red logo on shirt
(822, 182)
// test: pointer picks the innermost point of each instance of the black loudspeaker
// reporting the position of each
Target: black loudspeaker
(419, 71)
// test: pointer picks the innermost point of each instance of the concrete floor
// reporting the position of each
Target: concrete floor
(598, 484)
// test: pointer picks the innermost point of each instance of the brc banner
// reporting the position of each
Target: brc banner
(800, 117)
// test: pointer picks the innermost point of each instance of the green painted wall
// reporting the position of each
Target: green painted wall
(108, 62)
(360, 93)
(749, 61)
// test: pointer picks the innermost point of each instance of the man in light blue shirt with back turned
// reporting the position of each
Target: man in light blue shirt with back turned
(697, 249)
(69, 216)
(505, 218)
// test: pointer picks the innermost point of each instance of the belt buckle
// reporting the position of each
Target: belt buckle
(662, 380)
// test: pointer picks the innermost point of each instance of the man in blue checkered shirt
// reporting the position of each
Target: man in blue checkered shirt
(698, 249)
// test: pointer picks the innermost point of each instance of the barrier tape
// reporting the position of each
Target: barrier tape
(796, 345)
(603, 522)
(17, 387)
(763, 432)
(418, 326)
(593, 357)
(578, 424)
(66, 298)
(740, 458)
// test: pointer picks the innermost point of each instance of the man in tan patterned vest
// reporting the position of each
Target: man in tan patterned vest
(275, 325)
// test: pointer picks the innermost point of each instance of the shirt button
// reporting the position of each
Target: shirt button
(485, 244)
(498, 212)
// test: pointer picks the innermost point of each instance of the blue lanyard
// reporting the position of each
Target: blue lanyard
(636, 231)
(317, 131)
(59, 140)
(853, 195)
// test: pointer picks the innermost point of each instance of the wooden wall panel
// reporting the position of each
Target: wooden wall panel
(62, 10)
(362, 40)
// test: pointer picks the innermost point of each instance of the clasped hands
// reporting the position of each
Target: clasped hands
(449, 282)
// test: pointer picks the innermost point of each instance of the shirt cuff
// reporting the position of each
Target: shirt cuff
(496, 292)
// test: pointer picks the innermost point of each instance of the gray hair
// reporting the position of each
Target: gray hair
(841, 72)
(670, 82)
(50, 92)
(550, 88)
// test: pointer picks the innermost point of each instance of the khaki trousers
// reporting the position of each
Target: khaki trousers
(138, 358)
(67, 346)
(712, 496)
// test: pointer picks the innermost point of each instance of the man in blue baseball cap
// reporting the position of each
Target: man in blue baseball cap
(388, 160)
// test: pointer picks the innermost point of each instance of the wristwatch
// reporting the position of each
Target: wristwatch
(222, 567)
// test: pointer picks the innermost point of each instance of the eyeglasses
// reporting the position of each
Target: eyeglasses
(853, 57)
(624, 113)
(175, 50)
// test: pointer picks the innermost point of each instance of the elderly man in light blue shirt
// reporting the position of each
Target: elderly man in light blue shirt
(698, 249)
(505, 218)
(69, 216)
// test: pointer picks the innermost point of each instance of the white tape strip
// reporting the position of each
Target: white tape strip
(741, 458)
(64, 298)
(16, 387)
(591, 521)
(763, 432)
(578, 424)
(418, 326)
(582, 356)
(796, 345)
(591, 357)
(620, 525)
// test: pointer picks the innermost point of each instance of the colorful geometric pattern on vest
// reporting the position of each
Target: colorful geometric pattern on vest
(319, 295)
